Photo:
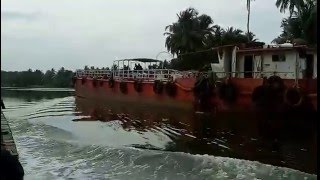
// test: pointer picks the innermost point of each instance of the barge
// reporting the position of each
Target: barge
(272, 78)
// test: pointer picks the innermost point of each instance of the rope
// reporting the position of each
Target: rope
(196, 52)
(296, 84)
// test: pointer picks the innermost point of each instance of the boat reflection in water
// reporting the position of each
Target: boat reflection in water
(271, 138)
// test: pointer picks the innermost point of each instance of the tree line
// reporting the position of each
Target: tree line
(30, 78)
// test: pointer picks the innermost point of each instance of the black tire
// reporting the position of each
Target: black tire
(101, 82)
(261, 96)
(138, 86)
(199, 87)
(276, 83)
(158, 87)
(171, 89)
(111, 83)
(228, 92)
(94, 82)
(83, 80)
(293, 97)
(123, 87)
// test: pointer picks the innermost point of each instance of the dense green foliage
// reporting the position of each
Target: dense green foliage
(29, 78)
(196, 33)
(290, 5)
(300, 26)
(193, 33)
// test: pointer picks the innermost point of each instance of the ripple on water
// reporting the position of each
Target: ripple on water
(48, 151)
(41, 156)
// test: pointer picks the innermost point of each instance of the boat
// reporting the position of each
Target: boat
(244, 78)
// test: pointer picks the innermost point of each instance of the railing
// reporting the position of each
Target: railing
(251, 74)
(254, 74)
(167, 74)
(151, 74)
(93, 73)
(146, 75)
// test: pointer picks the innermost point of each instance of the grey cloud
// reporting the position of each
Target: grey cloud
(97, 32)
(14, 15)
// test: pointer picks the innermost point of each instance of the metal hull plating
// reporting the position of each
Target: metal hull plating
(184, 96)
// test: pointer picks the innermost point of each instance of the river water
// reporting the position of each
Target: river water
(60, 136)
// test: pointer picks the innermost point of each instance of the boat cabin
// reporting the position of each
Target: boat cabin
(286, 61)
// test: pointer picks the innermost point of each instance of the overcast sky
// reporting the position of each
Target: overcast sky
(44, 34)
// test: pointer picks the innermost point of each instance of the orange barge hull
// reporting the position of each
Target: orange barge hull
(184, 97)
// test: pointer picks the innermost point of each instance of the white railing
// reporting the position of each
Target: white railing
(254, 74)
(149, 74)
(170, 74)
(93, 73)
(146, 75)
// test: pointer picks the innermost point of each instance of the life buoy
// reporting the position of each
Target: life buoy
(276, 83)
(94, 82)
(137, 86)
(111, 83)
(123, 87)
(265, 81)
(260, 95)
(228, 92)
(101, 82)
(197, 88)
(158, 87)
(293, 97)
(83, 80)
(171, 88)
(203, 87)
(203, 90)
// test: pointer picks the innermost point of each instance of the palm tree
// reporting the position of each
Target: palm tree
(308, 20)
(188, 34)
(289, 4)
(300, 26)
(248, 20)
(215, 38)
(233, 36)
(251, 37)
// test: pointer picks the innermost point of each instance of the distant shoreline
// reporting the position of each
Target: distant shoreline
(38, 89)
(49, 87)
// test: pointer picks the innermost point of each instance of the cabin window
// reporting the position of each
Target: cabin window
(278, 58)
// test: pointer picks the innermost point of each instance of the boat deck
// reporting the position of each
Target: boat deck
(7, 140)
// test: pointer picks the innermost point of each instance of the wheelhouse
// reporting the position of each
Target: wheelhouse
(286, 61)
